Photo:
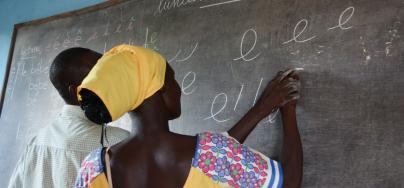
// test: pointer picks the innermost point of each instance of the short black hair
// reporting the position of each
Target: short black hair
(65, 64)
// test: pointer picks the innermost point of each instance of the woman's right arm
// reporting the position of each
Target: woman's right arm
(280, 90)
(292, 152)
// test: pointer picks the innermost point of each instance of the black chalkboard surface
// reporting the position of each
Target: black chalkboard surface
(351, 114)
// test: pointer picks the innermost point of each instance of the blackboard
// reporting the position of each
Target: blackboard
(350, 115)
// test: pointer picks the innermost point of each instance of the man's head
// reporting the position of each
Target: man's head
(68, 70)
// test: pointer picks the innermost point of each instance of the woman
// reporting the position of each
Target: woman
(139, 81)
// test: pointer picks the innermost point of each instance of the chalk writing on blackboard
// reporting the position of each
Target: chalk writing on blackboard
(175, 58)
(342, 23)
(214, 114)
(150, 40)
(258, 91)
(108, 30)
(41, 68)
(243, 55)
(296, 36)
(190, 54)
(272, 117)
(239, 96)
(166, 5)
(191, 75)
(221, 3)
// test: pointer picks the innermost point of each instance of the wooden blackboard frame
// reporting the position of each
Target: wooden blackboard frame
(42, 21)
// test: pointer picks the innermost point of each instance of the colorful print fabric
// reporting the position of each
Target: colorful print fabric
(231, 164)
(91, 167)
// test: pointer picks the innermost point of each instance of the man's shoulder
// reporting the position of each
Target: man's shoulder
(116, 135)
(116, 131)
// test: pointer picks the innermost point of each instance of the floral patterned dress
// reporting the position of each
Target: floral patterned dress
(92, 171)
(221, 161)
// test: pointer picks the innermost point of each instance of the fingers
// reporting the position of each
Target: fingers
(291, 81)
(283, 88)
(286, 73)
(294, 75)
(291, 97)
(276, 82)
(291, 90)
(289, 73)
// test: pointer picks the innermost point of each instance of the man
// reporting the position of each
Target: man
(53, 157)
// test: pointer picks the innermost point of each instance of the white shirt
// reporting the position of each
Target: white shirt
(53, 157)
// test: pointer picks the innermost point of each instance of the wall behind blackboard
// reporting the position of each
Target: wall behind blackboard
(224, 52)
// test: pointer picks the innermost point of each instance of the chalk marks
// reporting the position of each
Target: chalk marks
(296, 36)
(272, 117)
(239, 96)
(243, 55)
(215, 111)
(150, 40)
(365, 51)
(221, 3)
(257, 92)
(303, 23)
(27, 58)
(387, 50)
(187, 57)
(213, 114)
(190, 54)
(392, 35)
(41, 68)
(191, 75)
(342, 23)
(93, 36)
(319, 49)
(175, 56)
(34, 90)
(30, 52)
(168, 5)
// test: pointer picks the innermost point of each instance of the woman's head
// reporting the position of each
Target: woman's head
(122, 79)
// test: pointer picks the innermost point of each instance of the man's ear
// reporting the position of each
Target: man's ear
(73, 94)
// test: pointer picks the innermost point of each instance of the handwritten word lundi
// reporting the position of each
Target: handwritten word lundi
(166, 5)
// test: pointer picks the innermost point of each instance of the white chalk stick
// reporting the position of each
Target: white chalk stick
(298, 69)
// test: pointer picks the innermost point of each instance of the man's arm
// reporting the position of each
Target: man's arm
(292, 152)
(279, 91)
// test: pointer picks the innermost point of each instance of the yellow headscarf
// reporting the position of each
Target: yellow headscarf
(124, 77)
